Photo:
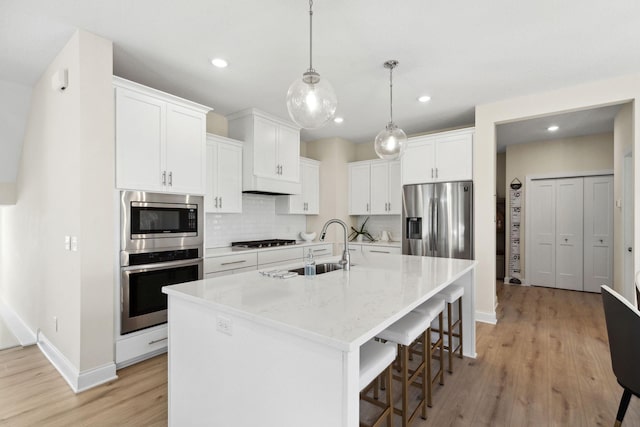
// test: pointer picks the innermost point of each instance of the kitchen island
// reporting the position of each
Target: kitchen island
(249, 350)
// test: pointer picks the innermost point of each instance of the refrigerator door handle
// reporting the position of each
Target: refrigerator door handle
(434, 215)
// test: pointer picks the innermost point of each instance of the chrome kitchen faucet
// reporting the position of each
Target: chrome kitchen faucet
(345, 261)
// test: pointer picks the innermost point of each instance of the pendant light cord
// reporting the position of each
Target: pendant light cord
(310, 35)
(391, 94)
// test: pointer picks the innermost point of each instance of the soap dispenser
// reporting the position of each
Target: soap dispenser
(309, 264)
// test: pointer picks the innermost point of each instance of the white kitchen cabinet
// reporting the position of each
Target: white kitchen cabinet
(271, 152)
(224, 175)
(228, 264)
(374, 188)
(307, 202)
(160, 140)
(440, 157)
(378, 249)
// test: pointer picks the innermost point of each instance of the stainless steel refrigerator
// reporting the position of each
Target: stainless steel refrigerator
(437, 220)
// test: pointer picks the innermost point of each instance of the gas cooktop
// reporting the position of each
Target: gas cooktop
(263, 243)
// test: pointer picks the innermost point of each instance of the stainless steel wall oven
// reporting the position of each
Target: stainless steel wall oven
(161, 244)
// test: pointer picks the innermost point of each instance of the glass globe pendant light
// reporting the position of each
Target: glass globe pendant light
(311, 100)
(391, 142)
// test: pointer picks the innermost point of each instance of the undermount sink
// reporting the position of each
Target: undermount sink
(320, 268)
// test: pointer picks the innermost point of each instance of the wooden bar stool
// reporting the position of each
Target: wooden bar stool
(451, 294)
(404, 332)
(433, 309)
(376, 358)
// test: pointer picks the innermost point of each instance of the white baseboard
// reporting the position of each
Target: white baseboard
(17, 327)
(78, 381)
(486, 317)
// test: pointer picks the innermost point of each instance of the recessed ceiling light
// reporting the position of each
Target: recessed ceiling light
(338, 120)
(424, 98)
(219, 62)
(553, 128)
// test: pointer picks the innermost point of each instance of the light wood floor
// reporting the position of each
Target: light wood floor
(546, 363)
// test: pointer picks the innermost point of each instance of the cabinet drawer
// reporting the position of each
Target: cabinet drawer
(229, 262)
(320, 250)
(133, 348)
(280, 255)
(229, 272)
(380, 250)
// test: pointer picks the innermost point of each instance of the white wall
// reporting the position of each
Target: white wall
(622, 143)
(64, 187)
(334, 153)
(568, 155)
(606, 92)
(258, 220)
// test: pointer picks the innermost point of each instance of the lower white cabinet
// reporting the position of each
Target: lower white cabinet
(137, 346)
(230, 263)
(371, 249)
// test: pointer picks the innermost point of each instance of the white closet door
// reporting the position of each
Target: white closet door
(543, 226)
(598, 232)
(569, 233)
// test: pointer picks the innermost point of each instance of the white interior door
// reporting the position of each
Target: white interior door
(598, 232)
(569, 233)
(543, 232)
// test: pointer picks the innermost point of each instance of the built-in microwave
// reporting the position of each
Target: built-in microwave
(152, 221)
(161, 244)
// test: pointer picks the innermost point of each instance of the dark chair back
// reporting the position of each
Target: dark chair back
(623, 328)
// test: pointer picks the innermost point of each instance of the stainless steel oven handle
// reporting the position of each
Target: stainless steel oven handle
(157, 341)
(162, 265)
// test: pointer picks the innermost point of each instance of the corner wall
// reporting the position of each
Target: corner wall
(65, 187)
(622, 143)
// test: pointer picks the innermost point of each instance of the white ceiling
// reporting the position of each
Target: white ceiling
(577, 123)
(461, 53)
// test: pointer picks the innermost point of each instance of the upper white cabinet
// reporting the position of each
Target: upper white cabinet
(440, 157)
(160, 140)
(224, 175)
(308, 202)
(374, 188)
(271, 152)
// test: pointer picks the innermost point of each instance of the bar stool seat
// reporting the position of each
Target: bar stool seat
(451, 294)
(404, 332)
(375, 358)
(433, 309)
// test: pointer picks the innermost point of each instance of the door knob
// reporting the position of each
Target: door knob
(566, 240)
(629, 249)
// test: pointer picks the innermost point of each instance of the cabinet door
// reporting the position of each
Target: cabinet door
(543, 233)
(211, 192)
(185, 150)
(289, 154)
(454, 158)
(359, 189)
(598, 232)
(229, 177)
(310, 175)
(395, 189)
(569, 233)
(264, 148)
(379, 188)
(418, 162)
(139, 141)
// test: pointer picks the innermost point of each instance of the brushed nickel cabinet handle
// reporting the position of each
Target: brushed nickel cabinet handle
(380, 252)
(170, 179)
(157, 341)
(216, 204)
(234, 262)
(164, 177)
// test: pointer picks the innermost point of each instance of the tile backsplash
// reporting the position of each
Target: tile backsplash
(377, 223)
(258, 220)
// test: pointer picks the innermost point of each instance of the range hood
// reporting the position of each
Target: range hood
(270, 152)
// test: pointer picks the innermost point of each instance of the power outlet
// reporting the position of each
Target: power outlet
(224, 325)
(74, 243)
(67, 243)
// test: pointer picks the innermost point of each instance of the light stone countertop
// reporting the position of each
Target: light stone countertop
(342, 309)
